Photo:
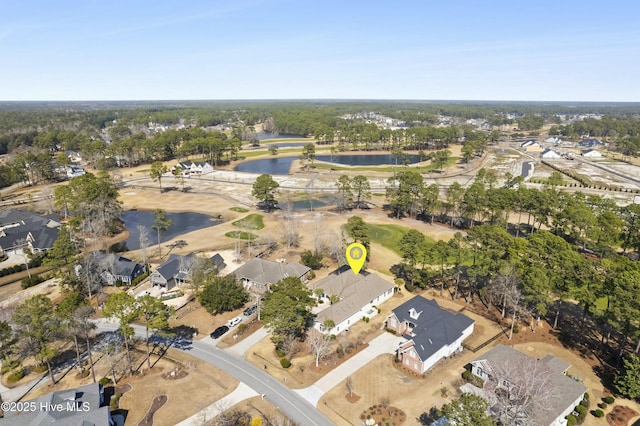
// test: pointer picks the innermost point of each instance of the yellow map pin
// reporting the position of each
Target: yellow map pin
(356, 255)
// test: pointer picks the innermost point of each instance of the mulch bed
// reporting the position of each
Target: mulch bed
(333, 361)
(383, 416)
(123, 388)
(175, 375)
(620, 416)
(158, 402)
(352, 398)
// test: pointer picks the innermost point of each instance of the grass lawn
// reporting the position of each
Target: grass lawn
(239, 209)
(386, 169)
(241, 235)
(253, 221)
(389, 235)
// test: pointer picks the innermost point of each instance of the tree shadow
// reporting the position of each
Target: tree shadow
(426, 419)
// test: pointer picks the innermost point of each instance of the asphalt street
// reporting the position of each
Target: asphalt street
(287, 401)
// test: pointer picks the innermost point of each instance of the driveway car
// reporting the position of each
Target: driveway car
(219, 331)
(234, 321)
(249, 311)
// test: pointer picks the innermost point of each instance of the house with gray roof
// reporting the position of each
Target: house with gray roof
(117, 269)
(175, 271)
(82, 406)
(359, 295)
(193, 168)
(567, 392)
(591, 143)
(259, 274)
(22, 230)
(431, 332)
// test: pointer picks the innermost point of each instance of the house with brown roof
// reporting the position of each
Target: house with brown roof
(358, 296)
(431, 332)
(566, 392)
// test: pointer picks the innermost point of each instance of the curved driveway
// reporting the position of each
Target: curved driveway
(289, 402)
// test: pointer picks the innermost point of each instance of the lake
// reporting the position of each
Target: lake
(182, 223)
(269, 135)
(281, 165)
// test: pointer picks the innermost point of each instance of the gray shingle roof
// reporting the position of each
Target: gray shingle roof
(266, 272)
(567, 390)
(88, 395)
(434, 327)
(355, 291)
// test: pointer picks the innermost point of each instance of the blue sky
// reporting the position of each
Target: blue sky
(280, 49)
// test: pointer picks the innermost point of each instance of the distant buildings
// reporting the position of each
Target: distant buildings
(531, 146)
(550, 154)
(193, 168)
(591, 153)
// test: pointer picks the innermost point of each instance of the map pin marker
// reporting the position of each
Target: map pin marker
(356, 255)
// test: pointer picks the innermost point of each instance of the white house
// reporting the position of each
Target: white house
(531, 146)
(591, 153)
(550, 154)
(193, 168)
(431, 332)
(358, 296)
(567, 392)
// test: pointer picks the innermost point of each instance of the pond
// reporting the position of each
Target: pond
(269, 135)
(281, 165)
(182, 223)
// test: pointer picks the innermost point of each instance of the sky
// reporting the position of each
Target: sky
(561, 50)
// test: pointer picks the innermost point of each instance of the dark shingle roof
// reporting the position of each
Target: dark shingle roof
(434, 327)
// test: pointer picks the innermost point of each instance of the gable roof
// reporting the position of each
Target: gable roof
(434, 327)
(550, 153)
(266, 272)
(590, 143)
(17, 227)
(568, 390)
(171, 268)
(86, 398)
(355, 291)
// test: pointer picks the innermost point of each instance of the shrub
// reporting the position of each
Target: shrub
(115, 400)
(585, 403)
(609, 399)
(332, 337)
(571, 420)
(586, 397)
(9, 366)
(242, 328)
(105, 381)
(603, 405)
(598, 413)
(280, 353)
(285, 363)
(40, 368)
(390, 330)
(31, 281)
(311, 259)
(139, 279)
(582, 411)
(16, 375)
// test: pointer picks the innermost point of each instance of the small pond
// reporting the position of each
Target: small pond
(281, 165)
(182, 223)
(269, 135)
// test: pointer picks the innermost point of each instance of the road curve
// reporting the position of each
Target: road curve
(286, 400)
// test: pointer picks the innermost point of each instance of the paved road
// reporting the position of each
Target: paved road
(289, 402)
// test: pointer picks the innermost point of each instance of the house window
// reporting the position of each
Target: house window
(406, 361)
(479, 371)
(392, 322)
(417, 366)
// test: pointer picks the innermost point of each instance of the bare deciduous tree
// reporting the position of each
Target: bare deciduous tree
(319, 343)
(144, 244)
(519, 388)
(349, 385)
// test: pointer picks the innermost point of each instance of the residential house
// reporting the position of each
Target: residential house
(118, 269)
(175, 271)
(553, 139)
(550, 154)
(591, 153)
(567, 391)
(358, 297)
(193, 168)
(431, 332)
(73, 156)
(259, 274)
(591, 143)
(531, 146)
(22, 231)
(84, 405)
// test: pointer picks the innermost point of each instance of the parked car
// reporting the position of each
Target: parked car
(219, 331)
(249, 311)
(234, 321)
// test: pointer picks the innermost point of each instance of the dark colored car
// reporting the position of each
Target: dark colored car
(249, 311)
(219, 331)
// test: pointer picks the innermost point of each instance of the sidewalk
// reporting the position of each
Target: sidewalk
(243, 346)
